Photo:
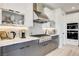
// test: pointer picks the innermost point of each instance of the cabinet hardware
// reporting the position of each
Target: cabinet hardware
(25, 47)
(45, 44)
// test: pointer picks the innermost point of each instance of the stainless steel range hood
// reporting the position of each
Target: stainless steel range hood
(41, 17)
(38, 10)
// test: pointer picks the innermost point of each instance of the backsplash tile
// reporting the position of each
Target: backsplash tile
(12, 33)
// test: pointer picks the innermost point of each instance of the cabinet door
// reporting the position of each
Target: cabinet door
(31, 50)
(0, 16)
(23, 49)
(47, 47)
(13, 50)
(16, 52)
(23, 8)
(0, 51)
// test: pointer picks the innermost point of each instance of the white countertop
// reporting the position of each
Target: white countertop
(17, 40)
(54, 35)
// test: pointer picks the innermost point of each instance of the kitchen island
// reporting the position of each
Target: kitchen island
(16, 40)
(13, 44)
(27, 47)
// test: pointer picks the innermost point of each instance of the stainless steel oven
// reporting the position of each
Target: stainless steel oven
(72, 26)
(72, 31)
(72, 34)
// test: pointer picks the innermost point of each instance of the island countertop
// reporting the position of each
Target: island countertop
(7, 42)
(15, 41)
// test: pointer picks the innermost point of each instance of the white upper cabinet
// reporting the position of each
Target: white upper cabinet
(24, 8)
(0, 16)
(11, 17)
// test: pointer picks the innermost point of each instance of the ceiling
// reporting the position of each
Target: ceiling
(67, 7)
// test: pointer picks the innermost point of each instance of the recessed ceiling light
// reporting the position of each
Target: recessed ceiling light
(73, 7)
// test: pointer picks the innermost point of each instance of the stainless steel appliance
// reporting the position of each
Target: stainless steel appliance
(72, 31)
(72, 26)
(72, 34)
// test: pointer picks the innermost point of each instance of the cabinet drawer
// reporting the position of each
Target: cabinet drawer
(47, 47)
(0, 51)
(18, 46)
(29, 49)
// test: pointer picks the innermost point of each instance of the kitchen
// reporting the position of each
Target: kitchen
(36, 29)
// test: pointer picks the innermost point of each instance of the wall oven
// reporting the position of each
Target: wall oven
(72, 34)
(72, 26)
(72, 31)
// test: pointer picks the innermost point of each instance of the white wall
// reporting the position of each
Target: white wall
(25, 8)
(74, 17)
(50, 13)
(70, 18)
(59, 19)
(61, 24)
(57, 15)
(1, 4)
(37, 29)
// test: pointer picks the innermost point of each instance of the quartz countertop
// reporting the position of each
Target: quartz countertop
(54, 35)
(15, 41)
(18, 40)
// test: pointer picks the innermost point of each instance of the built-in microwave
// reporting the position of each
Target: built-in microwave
(72, 26)
(72, 34)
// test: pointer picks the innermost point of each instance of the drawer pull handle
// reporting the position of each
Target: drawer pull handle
(44, 44)
(25, 47)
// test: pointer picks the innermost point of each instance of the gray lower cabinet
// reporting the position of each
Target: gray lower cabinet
(31, 48)
(23, 49)
(47, 47)
(0, 51)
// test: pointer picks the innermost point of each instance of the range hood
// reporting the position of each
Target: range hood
(41, 17)
(38, 10)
